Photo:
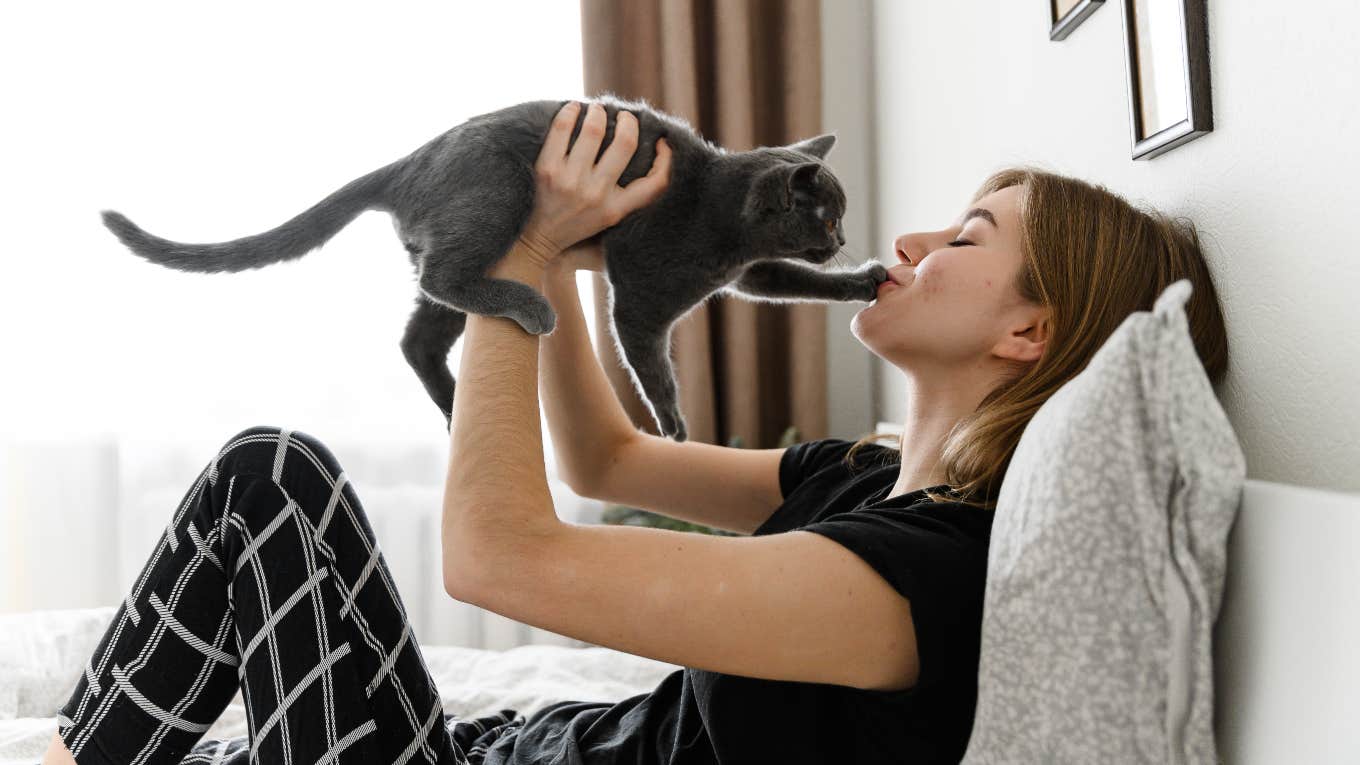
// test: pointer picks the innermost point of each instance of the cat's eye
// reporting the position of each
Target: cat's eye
(830, 225)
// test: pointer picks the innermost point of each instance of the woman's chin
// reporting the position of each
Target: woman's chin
(862, 327)
(873, 324)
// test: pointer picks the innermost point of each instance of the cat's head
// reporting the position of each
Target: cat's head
(794, 205)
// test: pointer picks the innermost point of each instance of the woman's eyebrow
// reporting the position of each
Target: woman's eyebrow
(979, 212)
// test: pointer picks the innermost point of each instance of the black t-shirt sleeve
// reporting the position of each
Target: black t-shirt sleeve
(801, 460)
(936, 561)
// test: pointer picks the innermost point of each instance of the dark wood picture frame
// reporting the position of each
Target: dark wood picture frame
(1062, 27)
(1152, 141)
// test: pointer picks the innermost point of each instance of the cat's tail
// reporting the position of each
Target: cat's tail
(289, 241)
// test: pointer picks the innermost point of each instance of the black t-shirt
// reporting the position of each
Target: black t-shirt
(935, 554)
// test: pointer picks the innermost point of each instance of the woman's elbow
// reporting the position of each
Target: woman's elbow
(457, 570)
(456, 584)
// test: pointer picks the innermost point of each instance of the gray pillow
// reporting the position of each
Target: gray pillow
(1107, 558)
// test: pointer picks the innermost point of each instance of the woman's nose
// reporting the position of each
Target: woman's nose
(905, 249)
(913, 248)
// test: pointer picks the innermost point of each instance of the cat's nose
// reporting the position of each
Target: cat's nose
(840, 236)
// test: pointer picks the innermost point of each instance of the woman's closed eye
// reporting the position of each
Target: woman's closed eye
(961, 243)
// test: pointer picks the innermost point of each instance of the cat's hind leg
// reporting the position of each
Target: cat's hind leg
(487, 200)
(430, 334)
(454, 275)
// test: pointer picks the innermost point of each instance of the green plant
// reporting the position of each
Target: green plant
(623, 515)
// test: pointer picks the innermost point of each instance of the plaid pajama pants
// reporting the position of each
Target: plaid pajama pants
(268, 579)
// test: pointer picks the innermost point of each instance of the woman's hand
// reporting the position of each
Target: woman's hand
(575, 197)
(585, 255)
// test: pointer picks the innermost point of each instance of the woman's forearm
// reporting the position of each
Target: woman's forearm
(585, 418)
(496, 498)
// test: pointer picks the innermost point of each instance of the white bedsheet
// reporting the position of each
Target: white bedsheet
(42, 654)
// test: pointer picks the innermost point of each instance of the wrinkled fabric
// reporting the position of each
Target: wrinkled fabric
(1107, 560)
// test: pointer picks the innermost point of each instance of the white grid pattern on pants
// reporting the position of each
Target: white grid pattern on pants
(93, 700)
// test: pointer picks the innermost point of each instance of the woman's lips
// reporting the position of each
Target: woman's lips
(897, 278)
(900, 277)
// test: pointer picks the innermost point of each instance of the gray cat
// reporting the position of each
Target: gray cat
(728, 221)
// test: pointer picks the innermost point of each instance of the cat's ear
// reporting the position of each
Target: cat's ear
(818, 147)
(801, 178)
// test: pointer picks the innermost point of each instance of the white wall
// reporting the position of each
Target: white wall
(963, 88)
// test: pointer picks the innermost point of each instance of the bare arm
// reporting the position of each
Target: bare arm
(585, 419)
(601, 455)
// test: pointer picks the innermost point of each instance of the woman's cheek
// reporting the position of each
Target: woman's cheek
(927, 281)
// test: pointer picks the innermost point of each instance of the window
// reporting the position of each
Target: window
(207, 123)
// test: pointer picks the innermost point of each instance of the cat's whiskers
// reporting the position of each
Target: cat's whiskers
(856, 258)
(839, 260)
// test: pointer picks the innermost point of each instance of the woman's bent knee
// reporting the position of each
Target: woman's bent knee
(253, 450)
(298, 463)
(270, 449)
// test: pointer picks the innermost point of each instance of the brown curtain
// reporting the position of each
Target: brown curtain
(745, 73)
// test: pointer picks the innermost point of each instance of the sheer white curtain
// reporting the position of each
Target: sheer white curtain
(206, 123)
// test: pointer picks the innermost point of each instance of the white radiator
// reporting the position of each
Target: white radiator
(80, 518)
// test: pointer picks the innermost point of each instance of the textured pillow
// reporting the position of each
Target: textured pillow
(1107, 558)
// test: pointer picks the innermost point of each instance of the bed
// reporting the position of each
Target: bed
(1287, 675)
(42, 653)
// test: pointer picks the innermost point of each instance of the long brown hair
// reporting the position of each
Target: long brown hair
(1093, 258)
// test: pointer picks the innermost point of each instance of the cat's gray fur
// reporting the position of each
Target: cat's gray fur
(728, 221)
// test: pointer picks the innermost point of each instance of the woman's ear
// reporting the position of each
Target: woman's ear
(1029, 342)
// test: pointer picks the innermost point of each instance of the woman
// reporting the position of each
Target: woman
(843, 629)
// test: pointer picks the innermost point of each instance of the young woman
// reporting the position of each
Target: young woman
(843, 629)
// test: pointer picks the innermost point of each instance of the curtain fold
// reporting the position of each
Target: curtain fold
(744, 73)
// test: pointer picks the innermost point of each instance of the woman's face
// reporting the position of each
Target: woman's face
(951, 304)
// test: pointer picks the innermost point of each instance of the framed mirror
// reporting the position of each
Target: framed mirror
(1067, 14)
(1166, 47)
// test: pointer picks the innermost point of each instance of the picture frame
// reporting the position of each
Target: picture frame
(1067, 15)
(1166, 50)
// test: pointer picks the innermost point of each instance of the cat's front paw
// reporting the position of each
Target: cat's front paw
(865, 281)
(672, 424)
